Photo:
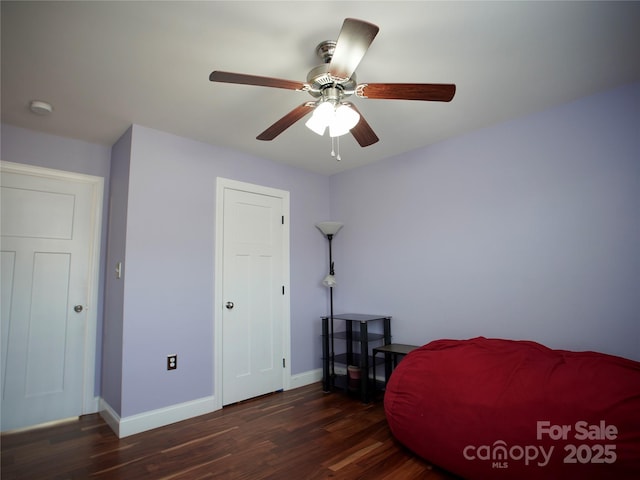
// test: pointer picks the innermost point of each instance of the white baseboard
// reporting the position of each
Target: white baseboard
(340, 369)
(123, 427)
(109, 415)
(305, 378)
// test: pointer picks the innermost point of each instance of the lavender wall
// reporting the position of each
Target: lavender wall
(527, 230)
(114, 287)
(25, 146)
(169, 268)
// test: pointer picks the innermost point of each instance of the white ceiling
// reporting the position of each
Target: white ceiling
(106, 65)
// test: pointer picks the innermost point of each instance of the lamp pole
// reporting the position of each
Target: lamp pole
(329, 229)
(331, 272)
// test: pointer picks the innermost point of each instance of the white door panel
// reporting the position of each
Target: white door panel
(252, 340)
(255, 269)
(48, 235)
(36, 214)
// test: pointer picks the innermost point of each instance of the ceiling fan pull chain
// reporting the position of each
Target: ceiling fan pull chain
(333, 153)
(338, 148)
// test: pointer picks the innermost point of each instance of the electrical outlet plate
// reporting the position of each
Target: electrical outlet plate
(172, 362)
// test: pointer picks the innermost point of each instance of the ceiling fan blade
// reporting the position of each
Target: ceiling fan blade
(353, 42)
(433, 92)
(362, 132)
(243, 79)
(285, 122)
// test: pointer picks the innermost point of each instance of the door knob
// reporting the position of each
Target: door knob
(77, 308)
(229, 305)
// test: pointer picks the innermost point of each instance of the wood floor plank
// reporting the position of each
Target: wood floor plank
(358, 453)
(197, 440)
(301, 434)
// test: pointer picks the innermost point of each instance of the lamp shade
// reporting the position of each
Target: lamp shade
(320, 118)
(344, 120)
(316, 125)
(329, 281)
(329, 228)
(339, 118)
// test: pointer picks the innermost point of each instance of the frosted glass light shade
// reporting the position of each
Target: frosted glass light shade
(339, 119)
(345, 119)
(329, 228)
(321, 118)
(329, 281)
(316, 125)
(324, 112)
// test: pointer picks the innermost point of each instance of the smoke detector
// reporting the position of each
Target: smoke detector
(40, 108)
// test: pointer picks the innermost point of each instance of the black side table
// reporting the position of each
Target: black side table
(359, 335)
(390, 351)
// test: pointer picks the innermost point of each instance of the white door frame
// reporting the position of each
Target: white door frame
(221, 185)
(89, 397)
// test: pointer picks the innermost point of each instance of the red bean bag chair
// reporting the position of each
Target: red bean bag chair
(504, 409)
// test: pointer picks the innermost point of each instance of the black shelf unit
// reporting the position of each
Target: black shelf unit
(355, 334)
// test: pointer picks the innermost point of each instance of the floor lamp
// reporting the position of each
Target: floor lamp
(329, 229)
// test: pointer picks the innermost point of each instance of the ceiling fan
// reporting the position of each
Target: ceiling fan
(334, 81)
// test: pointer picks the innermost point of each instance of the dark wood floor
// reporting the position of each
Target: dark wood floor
(300, 434)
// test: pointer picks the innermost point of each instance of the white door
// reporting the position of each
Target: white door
(48, 227)
(254, 293)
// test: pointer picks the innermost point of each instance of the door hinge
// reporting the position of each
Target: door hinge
(284, 365)
(283, 219)
(283, 289)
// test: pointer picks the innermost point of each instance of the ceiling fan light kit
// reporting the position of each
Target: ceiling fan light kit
(334, 81)
(339, 118)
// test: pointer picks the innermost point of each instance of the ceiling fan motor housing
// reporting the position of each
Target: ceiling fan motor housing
(320, 79)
